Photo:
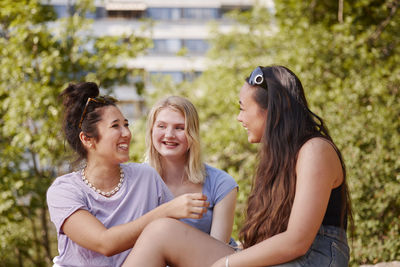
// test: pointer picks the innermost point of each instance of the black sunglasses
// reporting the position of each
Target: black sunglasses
(99, 99)
(257, 78)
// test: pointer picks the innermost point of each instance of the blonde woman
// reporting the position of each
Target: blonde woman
(173, 149)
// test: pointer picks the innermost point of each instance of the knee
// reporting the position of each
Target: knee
(162, 228)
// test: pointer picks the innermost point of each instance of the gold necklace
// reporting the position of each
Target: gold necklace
(109, 193)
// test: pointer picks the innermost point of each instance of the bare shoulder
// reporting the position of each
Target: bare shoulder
(318, 156)
(319, 147)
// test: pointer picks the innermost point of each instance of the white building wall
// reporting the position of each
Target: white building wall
(168, 34)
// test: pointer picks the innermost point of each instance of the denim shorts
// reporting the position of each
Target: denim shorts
(329, 249)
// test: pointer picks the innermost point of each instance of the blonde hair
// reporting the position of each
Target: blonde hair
(194, 168)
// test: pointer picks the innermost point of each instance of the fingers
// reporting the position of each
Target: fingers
(197, 196)
(200, 203)
(197, 213)
(192, 205)
(198, 210)
(196, 200)
(195, 216)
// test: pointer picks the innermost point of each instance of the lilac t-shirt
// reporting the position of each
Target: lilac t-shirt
(142, 190)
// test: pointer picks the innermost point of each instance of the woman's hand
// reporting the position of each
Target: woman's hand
(192, 205)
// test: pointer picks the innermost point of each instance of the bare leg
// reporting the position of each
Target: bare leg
(171, 242)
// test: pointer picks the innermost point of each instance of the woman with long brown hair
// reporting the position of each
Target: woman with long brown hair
(298, 207)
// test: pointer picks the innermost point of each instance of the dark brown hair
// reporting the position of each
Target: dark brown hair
(75, 100)
(290, 123)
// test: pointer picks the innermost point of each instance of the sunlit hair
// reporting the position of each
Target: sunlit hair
(290, 124)
(194, 168)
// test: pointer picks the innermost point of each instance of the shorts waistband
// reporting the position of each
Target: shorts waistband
(333, 232)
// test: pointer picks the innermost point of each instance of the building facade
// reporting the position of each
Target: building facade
(180, 35)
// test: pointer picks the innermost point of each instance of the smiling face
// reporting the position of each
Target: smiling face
(114, 137)
(169, 135)
(252, 117)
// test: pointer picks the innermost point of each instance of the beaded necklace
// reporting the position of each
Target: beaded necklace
(109, 193)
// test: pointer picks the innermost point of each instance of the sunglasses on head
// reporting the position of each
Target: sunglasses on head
(99, 99)
(257, 78)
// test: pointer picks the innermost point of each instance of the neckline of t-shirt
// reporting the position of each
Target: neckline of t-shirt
(89, 189)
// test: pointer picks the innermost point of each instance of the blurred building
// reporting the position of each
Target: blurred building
(180, 34)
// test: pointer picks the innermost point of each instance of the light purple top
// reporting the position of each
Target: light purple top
(141, 191)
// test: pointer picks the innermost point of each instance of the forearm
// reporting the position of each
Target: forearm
(122, 237)
(87, 231)
(223, 216)
(222, 233)
(278, 249)
(222, 229)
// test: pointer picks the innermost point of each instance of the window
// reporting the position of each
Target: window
(200, 13)
(63, 11)
(196, 45)
(164, 13)
(125, 14)
(166, 46)
(183, 13)
(172, 46)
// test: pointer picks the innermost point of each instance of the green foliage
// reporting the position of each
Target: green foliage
(39, 56)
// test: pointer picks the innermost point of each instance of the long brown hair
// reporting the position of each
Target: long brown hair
(290, 123)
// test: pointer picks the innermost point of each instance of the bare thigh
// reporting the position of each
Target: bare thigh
(169, 241)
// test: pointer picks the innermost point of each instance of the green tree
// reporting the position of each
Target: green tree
(40, 55)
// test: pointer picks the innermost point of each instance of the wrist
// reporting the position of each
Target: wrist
(164, 210)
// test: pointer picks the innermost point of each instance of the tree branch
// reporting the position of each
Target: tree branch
(45, 234)
(340, 11)
(393, 6)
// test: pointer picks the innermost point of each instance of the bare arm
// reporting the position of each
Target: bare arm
(318, 171)
(223, 215)
(86, 230)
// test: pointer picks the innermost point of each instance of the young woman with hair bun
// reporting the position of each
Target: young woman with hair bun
(299, 205)
(100, 210)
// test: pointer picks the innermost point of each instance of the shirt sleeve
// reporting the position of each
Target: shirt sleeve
(165, 193)
(63, 199)
(162, 190)
(221, 183)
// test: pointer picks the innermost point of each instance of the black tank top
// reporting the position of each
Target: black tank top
(336, 215)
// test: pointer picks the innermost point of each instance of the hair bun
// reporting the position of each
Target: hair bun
(74, 98)
(77, 94)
